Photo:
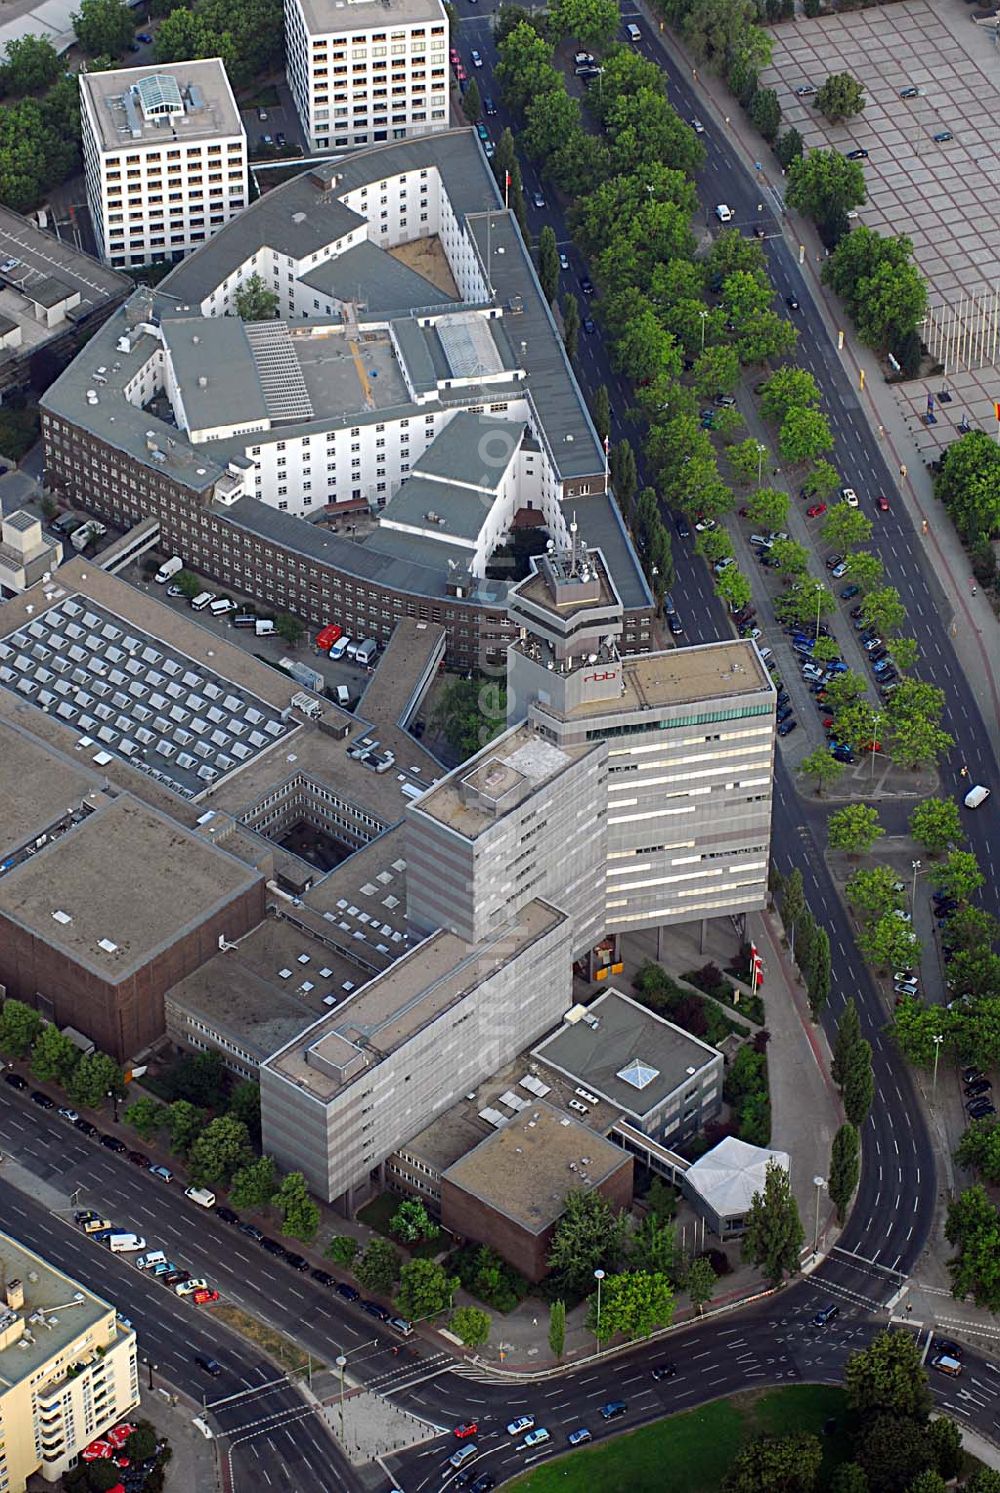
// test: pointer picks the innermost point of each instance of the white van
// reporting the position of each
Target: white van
(342, 695)
(976, 796)
(155, 1257)
(168, 569)
(366, 651)
(202, 601)
(201, 1196)
(221, 608)
(125, 1243)
(340, 647)
(264, 627)
(633, 33)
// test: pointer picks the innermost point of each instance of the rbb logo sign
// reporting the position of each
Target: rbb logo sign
(600, 678)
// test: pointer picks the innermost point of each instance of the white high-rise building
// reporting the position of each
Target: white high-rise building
(367, 71)
(165, 158)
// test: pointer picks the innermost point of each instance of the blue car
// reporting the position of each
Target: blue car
(579, 1436)
(837, 666)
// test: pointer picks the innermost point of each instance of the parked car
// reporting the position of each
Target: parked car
(825, 1314)
(68, 1114)
(163, 1172)
(227, 1215)
(349, 1293)
(324, 1278)
(15, 1080)
(579, 1436)
(42, 1100)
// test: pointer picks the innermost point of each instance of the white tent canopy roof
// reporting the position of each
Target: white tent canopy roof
(727, 1177)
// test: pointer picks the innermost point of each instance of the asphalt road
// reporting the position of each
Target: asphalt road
(272, 1432)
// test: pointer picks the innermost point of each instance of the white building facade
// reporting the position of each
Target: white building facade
(165, 159)
(367, 71)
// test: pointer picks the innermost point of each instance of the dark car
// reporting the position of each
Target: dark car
(210, 1365)
(145, 38)
(825, 1314)
(856, 612)
(489, 107)
(323, 1278)
(683, 527)
(589, 325)
(227, 1215)
(834, 561)
(85, 1127)
(484, 1483)
(138, 1159)
(860, 154)
(349, 1293)
(982, 1110)
(586, 285)
(977, 1087)
(252, 1231)
(613, 1409)
(945, 1345)
(676, 626)
(791, 302)
(787, 727)
(784, 713)
(850, 591)
(374, 1310)
(842, 753)
(15, 1080)
(969, 1075)
(113, 1143)
(42, 1100)
(175, 1277)
(271, 1247)
(297, 1262)
(664, 1370)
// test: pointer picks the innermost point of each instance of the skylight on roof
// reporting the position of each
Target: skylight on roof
(638, 1074)
(159, 94)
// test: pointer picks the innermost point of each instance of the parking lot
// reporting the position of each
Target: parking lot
(944, 195)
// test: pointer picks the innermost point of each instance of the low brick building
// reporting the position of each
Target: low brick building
(510, 1191)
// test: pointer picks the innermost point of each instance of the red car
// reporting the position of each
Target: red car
(882, 504)
(204, 1297)
(815, 510)
(466, 1429)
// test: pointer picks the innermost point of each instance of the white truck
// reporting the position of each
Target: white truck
(168, 570)
(87, 532)
(125, 1243)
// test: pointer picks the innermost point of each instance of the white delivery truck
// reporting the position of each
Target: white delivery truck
(976, 796)
(168, 570)
(125, 1243)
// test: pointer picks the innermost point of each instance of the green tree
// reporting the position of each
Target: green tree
(888, 1378)
(864, 569)
(883, 610)
(101, 1476)
(588, 1235)
(857, 724)
(424, 1289)
(103, 27)
(889, 942)
(822, 479)
(968, 483)
(714, 545)
(979, 1150)
(550, 118)
(411, 1222)
(893, 1451)
(768, 507)
(653, 1247)
(936, 824)
(848, 1037)
(916, 741)
(634, 1303)
(905, 652)
(793, 902)
(571, 324)
(973, 1228)
(805, 602)
(222, 1148)
(825, 186)
(299, 1214)
(471, 1324)
(959, 875)
(377, 1269)
(872, 891)
(716, 29)
(548, 262)
(858, 1088)
(146, 1116)
(700, 1283)
(53, 1056)
(557, 1328)
(818, 973)
(253, 1185)
(845, 1168)
(804, 435)
(95, 1076)
(792, 557)
(342, 1250)
(748, 459)
(840, 97)
(20, 1027)
(601, 412)
(788, 147)
(141, 1444)
(787, 1463)
(823, 766)
(788, 388)
(849, 1477)
(254, 302)
(946, 1445)
(765, 113)
(845, 527)
(624, 476)
(472, 105)
(716, 371)
(825, 650)
(289, 629)
(30, 63)
(773, 1237)
(894, 303)
(590, 22)
(854, 829)
(184, 1124)
(983, 1480)
(734, 588)
(244, 1105)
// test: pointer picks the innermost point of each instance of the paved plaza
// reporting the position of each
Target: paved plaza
(944, 195)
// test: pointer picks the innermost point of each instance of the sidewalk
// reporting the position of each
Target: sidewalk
(975, 630)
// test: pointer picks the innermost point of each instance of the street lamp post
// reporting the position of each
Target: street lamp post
(819, 1183)
(114, 1100)
(761, 453)
(151, 1366)
(598, 1276)
(704, 319)
(937, 1053)
(874, 740)
(341, 1362)
(916, 869)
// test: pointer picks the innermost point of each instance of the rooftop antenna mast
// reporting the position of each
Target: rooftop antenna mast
(572, 545)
